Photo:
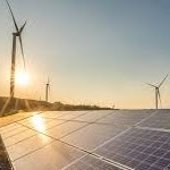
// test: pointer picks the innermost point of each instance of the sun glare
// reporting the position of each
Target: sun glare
(38, 123)
(22, 78)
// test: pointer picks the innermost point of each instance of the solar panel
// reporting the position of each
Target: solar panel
(10, 127)
(27, 146)
(125, 117)
(90, 163)
(92, 116)
(19, 137)
(54, 114)
(160, 119)
(53, 156)
(36, 121)
(64, 129)
(93, 135)
(73, 115)
(13, 132)
(139, 149)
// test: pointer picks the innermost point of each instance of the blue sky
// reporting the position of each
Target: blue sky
(95, 51)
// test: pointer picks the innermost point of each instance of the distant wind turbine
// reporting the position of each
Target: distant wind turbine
(157, 92)
(47, 90)
(15, 34)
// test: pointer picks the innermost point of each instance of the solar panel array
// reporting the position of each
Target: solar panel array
(89, 140)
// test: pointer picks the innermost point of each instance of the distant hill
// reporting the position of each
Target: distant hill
(8, 106)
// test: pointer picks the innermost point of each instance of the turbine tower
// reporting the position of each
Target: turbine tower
(157, 92)
(16, 34)
(47, 90)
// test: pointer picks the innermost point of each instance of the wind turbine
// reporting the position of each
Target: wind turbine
(157, 92)
(16, 34)
(47, 90)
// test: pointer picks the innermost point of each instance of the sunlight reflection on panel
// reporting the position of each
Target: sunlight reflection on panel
(39, 123)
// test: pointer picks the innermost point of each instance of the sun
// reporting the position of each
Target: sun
(22, 78)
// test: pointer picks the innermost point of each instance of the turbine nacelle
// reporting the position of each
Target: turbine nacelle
(18, 33)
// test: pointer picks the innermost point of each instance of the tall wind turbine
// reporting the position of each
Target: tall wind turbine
(157, 92)
(47, 90)
(16, 34)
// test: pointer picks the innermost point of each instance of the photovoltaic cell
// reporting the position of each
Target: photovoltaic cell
(161, 119)
(91, 163)
(53, 156)
(92, 116)
(4, 121)
(8, 128)
(125, 117)
(64, 129)
(139, 149)
(27, 146)
(92, 135)
(19, 137)
(54, 114)
(13, 132)
(73, 115)
(37, 122)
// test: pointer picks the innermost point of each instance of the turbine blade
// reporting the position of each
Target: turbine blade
(21, 29)
(163, 81)
(22, 50)
(159, 95)
(12, 14)
(151, 85)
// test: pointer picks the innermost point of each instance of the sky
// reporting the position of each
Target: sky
(94, 51)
